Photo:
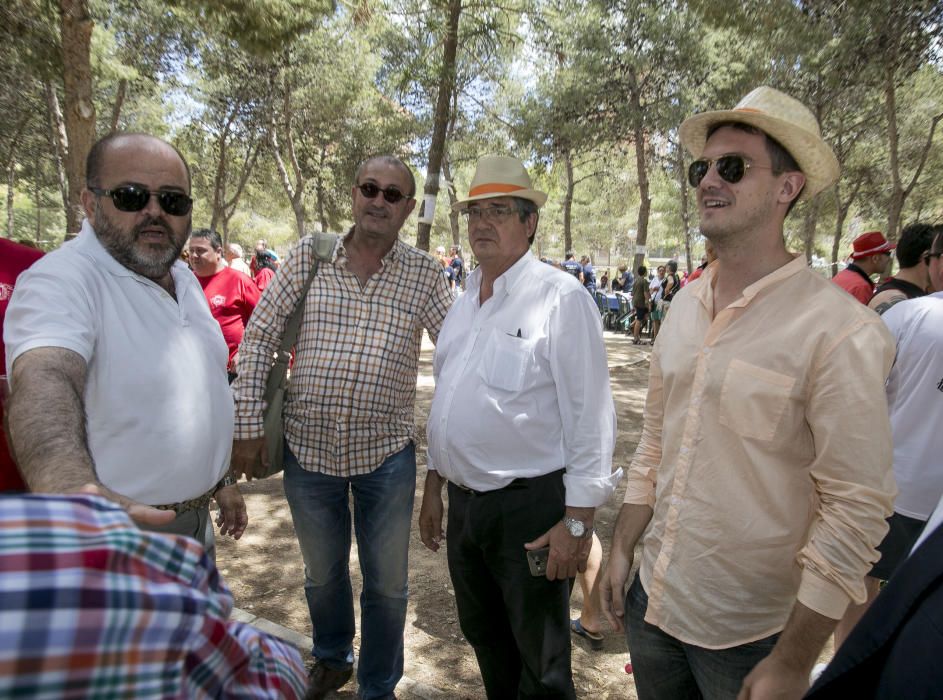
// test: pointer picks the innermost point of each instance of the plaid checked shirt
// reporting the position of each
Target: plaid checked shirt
(350, 401)
(93, 607)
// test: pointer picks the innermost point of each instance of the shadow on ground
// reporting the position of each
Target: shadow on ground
(265, 572)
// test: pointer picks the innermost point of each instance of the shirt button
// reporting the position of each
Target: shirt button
(675, 500)
(684, 450)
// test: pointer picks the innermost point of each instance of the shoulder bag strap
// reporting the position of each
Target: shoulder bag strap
(323, 247)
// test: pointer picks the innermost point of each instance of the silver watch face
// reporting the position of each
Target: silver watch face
(576, 527)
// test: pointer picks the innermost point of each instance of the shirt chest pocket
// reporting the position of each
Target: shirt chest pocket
(505, 360)
(753, 400)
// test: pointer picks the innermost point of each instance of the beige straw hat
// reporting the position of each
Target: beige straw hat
(500, 176)
(783, 118)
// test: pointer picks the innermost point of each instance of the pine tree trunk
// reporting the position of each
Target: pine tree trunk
(645, 201)
(57, 139)
(453, 198)
(440, 123)
(568, 204)
(685, 214)
(79, 107)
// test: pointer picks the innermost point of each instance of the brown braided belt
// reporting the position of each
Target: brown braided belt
(192, 504)
(199, 501)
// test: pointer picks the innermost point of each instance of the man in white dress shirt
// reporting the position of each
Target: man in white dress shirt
(521, 426)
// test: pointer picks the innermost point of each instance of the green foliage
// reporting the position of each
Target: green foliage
(548, 80)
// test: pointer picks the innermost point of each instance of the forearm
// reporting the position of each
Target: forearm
(434, 481)
(803, 638)
(631, 523)
(47, 420)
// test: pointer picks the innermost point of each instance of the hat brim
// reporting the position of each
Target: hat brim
(536, 196)
(886, 248)
(815, 158)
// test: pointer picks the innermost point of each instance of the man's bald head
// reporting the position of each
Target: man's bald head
(96, 156)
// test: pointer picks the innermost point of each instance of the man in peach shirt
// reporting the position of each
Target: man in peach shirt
(763, 476)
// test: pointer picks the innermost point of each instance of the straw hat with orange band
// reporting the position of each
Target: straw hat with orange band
(500, 176)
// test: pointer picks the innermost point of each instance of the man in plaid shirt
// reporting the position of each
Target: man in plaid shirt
(93, 607)
(348, 420)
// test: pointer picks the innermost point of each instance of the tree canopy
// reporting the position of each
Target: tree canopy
(275, 102)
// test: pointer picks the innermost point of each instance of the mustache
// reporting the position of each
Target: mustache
(152, 222)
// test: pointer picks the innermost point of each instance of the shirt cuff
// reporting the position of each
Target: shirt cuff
(248, 431)
(821, 596)
(590, 492)
(640, 492)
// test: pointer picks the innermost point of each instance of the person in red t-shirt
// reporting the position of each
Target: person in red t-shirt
(14, 258)
(265, 264)
(870, 254)
(232, 295)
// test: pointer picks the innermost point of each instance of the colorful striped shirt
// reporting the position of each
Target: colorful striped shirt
(93, 607)
(351, 398)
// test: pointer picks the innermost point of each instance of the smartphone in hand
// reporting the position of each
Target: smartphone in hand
(537, 561)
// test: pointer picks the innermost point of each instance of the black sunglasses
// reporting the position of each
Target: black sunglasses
(731, 168)
(135, 198)
(390, 194)
(928, 255)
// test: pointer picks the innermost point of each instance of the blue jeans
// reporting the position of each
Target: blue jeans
(665, 668)
(383, 507)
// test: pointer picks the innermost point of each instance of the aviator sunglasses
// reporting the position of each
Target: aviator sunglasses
(730, 168)
(135, 198)
(390, 194)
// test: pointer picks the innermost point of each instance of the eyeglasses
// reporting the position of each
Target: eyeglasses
(492, 214)
(731, 168)
(390, 194)
(135, 198)
(928, 255)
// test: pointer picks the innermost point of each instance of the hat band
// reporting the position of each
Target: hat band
(871, 251)
(494, 188)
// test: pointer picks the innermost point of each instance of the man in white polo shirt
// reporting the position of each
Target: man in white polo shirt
(915, 404)
(117, 369)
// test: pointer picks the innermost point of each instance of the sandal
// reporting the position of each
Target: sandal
(595, 639)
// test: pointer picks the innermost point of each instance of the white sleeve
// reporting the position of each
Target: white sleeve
(50, 307)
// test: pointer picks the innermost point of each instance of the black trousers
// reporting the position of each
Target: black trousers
(517, 624)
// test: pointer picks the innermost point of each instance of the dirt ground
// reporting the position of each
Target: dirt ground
(265, 572)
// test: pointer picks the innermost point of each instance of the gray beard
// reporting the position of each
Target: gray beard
(153, 263)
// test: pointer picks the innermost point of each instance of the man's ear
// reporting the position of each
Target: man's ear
(793, 182)
(88, 203)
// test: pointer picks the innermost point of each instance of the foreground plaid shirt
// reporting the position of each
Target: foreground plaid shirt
(93, 607)
(353, 384)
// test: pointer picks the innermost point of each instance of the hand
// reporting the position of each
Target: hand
(232, 518)
(140, 513)
(612, 586)
(771, 679)
(568, 554)
(430, 513)
(249, 458)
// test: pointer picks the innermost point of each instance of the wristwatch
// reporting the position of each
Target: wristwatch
(578, 528)
(227, 480)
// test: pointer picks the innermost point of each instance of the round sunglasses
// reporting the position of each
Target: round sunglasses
(731, 169)
(136, 197)
(390, 194)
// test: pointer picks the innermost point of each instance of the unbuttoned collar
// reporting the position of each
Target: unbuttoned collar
(507, 282)
(391, 256)
(705, 292)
